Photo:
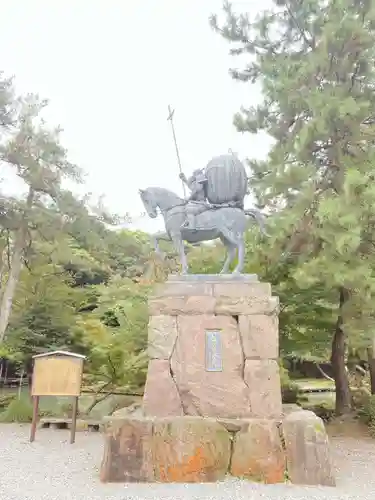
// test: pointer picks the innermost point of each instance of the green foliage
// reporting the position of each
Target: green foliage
(5, 400)
(115, 336)
(68, 279)
(206, 259)
(367, 414)
(289, 390)
(19, 410)
(307, 315)
(313, 61)
(317, 81)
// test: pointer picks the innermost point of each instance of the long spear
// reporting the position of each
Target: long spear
(170, 118)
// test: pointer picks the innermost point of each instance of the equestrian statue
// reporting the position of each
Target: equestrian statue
(214, 209)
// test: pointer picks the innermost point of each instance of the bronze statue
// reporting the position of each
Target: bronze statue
(214, 209)
(197, 185)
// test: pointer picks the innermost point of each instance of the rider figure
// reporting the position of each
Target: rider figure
(196, 183)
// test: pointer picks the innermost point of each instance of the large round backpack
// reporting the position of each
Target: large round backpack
(226, 180)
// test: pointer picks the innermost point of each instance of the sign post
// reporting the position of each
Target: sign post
(57, 373)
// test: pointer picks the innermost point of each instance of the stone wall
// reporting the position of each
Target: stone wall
(184, 376)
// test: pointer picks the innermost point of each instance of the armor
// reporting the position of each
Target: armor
(197, 185)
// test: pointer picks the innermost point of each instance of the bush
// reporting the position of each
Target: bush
(289, 393)
(5, 400)
(19, 410)
(64, 410)
(367, 414)
(289, 390)
(360, 399)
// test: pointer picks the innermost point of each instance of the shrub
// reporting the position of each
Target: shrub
(5, 400)
(289, 390)
(289, 393)
(360, 398)
(367, 414)
(64, 410)
(19, 410)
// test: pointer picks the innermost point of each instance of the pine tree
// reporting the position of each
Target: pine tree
(34, 152)
(314, 61)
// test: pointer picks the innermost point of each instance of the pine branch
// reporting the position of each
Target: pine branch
(310, 43)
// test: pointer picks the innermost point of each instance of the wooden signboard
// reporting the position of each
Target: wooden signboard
(57, 373)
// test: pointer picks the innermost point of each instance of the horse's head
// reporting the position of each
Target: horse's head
(149, 203)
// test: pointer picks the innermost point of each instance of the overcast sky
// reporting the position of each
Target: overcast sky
(111, 67)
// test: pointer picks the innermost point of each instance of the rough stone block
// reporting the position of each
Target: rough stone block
(307, 449)
(162, 334)
(176, 305)
(180, 449)
(212, 278)
(211, 394)
(182, 288)
(235, 306)
(233, 424)
(260, 336)
(263, 380)
(258, 454)
(161, 397)
(289, 408)
(127, 452)
(253, 290)
(190, 449)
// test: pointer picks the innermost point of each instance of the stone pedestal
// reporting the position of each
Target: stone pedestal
(212, 400)
(213, 347)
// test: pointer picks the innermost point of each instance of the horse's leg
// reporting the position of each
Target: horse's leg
(231, 253)
(180, 248)
(241, 255)
(155, 238)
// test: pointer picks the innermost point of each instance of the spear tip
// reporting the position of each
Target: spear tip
(170, 112)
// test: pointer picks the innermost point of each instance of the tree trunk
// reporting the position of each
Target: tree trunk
(3, 256)
(20, 383)
(15, 270)
(371, 364)
(10, 287)
(6, 372)
(343, 396)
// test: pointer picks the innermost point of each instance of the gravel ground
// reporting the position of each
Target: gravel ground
(51, 468)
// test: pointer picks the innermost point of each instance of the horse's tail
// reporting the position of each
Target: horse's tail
(259, 218)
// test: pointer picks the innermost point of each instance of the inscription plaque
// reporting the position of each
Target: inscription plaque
(214, 358)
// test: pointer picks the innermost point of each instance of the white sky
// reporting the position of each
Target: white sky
(111, 67)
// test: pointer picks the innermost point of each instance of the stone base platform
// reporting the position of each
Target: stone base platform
(203, 449)
(213, 346)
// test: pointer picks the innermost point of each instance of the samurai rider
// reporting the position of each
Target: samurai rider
(197, 199)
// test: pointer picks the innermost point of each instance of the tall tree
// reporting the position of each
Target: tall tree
(8, 103)
(314, 62)
(35, 153)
